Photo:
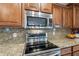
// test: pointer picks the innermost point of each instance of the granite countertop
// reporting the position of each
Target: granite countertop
(12, 47)
(65, 42)
(12, 42)
(59, 39)
(16, 47)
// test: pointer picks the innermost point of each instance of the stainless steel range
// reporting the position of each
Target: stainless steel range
(37, 44)
(39, 26)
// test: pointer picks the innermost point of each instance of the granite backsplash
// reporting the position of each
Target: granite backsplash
(58, 33)
(12, 36)
(6, 36)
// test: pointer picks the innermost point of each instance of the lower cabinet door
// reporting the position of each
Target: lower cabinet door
(65, 50)
(76, 53)
(67, 54)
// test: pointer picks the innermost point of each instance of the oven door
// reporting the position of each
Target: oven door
(50, 52)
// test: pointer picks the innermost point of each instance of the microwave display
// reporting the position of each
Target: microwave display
(36, 21)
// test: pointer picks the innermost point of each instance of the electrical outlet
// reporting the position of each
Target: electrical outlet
(14, 35)
(54, 33)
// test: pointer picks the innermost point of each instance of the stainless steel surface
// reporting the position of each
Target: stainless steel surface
(31, 31)
(33, 38)
(50, 52)
(47, 52)
(37, 14)
(55, 51)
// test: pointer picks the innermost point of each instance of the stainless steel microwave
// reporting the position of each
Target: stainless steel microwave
(37, 20)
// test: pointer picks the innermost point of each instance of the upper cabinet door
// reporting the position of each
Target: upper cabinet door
(46, 7)
(75, 16)
(10, 14)
(57, 15)
(67, 17)
(70, 17)
(32, 6)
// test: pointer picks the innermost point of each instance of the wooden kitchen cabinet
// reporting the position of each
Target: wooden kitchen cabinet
(46, 7)
(10, 14)
(32, 6)
(67, 54)
(75, 16)
(76, 53)
(57, 15)
(43, 7)
(66, 51)
(75, 48)
(67, 17)
(26, 5)
(70, 51)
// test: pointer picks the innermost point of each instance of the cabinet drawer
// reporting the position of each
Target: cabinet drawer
(75, 48)
(76, 53)
(67, 54)
(65, 50)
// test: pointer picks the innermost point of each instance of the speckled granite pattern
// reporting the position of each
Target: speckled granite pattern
(60, 40)
(11, 49)
(7, 37)
(12, 46)
(62, 43)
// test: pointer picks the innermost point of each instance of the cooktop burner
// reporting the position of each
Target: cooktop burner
(39, 47)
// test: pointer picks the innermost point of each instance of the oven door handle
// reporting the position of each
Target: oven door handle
(56, 54)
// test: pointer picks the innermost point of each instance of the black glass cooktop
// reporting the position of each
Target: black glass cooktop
(39, 47)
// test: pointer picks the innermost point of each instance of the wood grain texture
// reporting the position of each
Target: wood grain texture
(57, 15)
(67, 17)
(76, 53)
(75, 48)
(32, 6)
(10, 14)
(67, 54)
(46, 7)
(65, 51)
(75, 16)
